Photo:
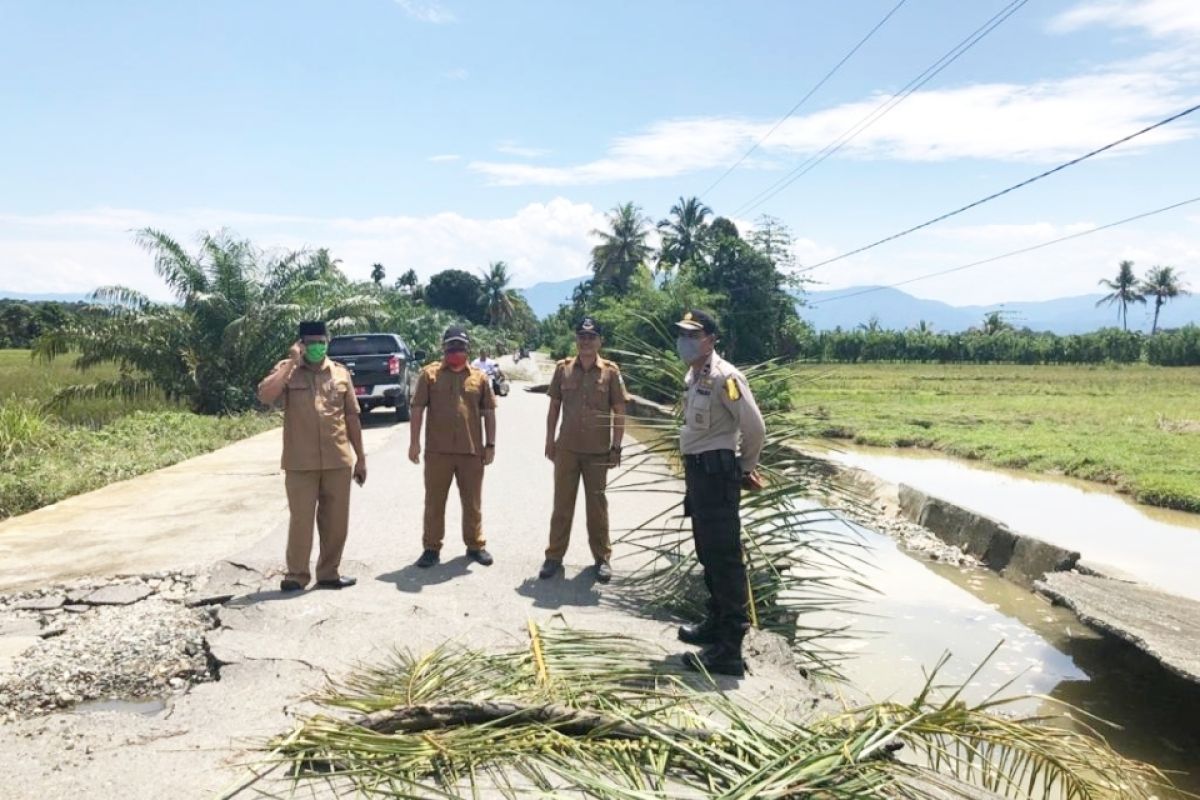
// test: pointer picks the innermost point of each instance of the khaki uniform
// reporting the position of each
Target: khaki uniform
(454, 403)
(317, 460)
(718, 409)
(588, 399)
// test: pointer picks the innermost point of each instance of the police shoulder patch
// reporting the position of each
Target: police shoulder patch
(731, 389)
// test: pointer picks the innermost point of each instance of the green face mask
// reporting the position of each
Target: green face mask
(315, 351)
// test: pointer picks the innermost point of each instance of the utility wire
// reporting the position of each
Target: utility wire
(883, 108)
(804, 99)
(1010, 254)
(1003, 192)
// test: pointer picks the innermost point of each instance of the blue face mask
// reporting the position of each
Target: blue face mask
(688, 348)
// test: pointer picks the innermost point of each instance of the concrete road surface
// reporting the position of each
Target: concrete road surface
(274, 648)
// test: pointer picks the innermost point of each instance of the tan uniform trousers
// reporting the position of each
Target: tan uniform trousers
(569, 467)
(324, 493)
(467, 472)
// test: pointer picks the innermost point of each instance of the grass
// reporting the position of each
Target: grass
(1134, 427)
(51, 454)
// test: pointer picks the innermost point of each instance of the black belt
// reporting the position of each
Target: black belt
(695, 458)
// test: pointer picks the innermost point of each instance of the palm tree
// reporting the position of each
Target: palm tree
(1163, 284)
(495, 296)
(234, 315)
(683, 236)
(378, 274)
(1123, 291)
(623, 250)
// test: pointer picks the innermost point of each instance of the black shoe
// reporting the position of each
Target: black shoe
(717, 660)
(549, 568)
(603, 572)
(704, 632)
(428, 559)
(338, 583)
(481, 556)
(289, 585)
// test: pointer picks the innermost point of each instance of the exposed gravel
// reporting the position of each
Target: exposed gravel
(66, 654)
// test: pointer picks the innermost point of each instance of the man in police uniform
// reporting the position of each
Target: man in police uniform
(589, 393)
(322, 448)
(457, 398)
(718, 408)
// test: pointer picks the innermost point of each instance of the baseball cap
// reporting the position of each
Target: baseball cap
(456, 334)
(697, 320)
(589, 325)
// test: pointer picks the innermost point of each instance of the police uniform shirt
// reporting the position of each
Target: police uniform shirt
(454, 403)
(316, 401)
(717, 406)
(588, 398)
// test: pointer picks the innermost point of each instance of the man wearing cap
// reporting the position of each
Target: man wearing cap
(322, 450)
(718, 409)
(460, 440)
(590, 394)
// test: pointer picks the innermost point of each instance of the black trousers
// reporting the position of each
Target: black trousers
(713, 500)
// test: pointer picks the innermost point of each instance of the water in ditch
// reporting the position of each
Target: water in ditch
(921, 610)
(1155, 546)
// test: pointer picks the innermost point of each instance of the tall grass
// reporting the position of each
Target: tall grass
(1136, 428)
(52, 451)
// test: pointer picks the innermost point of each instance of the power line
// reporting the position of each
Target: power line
(804, 99)
(1003, 192)
(883, 108)
(1010, 254)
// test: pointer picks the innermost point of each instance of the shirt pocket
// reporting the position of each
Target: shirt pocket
(699, 412)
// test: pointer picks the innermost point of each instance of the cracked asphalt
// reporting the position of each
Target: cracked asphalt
(275, 649)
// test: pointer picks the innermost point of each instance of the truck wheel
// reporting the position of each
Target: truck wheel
(402, 410)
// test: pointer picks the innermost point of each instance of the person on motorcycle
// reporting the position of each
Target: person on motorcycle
(491, 368)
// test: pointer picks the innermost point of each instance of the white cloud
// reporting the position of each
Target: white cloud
(1160, 18)
(444, 158)
(458, 74)
(78, 251)
(425, 11)
(1040, 122)
(511, 148)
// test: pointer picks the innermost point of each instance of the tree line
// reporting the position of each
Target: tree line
(234, 311)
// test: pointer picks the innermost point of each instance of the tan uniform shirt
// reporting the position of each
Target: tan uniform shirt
(316, 401)
(588, 398)
(714, 416)
(454, 403)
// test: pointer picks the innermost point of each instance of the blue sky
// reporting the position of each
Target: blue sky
(429, 135)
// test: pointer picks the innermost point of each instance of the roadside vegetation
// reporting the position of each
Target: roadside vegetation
(51, 453)
(1134, 427)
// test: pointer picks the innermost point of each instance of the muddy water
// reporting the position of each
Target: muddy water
(1156, 546)
(921, 610)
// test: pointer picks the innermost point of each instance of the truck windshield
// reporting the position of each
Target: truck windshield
(362, 345)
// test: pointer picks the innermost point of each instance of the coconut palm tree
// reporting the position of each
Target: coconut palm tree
(378, 273)
(1163, 284)
(234, 315)
(495, 296)
(683, 235)
(623, 249)
(1123, 291)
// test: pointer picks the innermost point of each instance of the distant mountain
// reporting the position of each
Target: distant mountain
(897, 310)
(545, 298)
(55, 298)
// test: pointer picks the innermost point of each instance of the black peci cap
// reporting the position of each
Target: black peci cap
(313, 328)
(589, 325)
(455, 334)
(697, 320)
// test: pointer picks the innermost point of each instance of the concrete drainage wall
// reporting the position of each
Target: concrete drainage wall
(1017, 557)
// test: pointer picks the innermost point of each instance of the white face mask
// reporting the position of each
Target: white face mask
(688, 348)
